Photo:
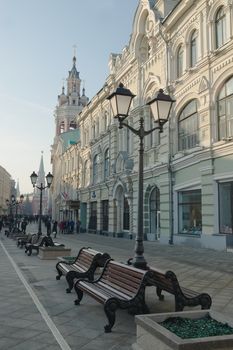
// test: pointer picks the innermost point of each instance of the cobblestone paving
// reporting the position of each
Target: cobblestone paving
(36, 313)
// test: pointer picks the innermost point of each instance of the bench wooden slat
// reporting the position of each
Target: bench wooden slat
(121, 283)
(103, 291)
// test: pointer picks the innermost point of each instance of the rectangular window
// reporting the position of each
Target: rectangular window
(190, 215)
(226, 207)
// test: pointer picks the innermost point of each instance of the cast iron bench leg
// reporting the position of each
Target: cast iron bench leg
(80, 296)
(110, 311)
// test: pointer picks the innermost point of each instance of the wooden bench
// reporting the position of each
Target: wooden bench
(119, 286)
(167, 281)
(27, 238)
(42, 241)
(84, 266)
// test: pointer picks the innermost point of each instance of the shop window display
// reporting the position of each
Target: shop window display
(190, 216)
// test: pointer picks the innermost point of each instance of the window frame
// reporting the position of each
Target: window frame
(225, 102)
(220, 24)
(180, 61)
(193, 48)
(95, 169)
(106, 164)
(191, 214)
(185, 141)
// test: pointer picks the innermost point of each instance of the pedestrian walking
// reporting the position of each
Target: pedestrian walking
(48, 226)
(54, 229)
(24, 225)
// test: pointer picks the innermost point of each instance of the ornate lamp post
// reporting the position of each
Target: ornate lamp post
(120, 101)
(17, 203)
(49, 179)
(14, 203)
(10, 204)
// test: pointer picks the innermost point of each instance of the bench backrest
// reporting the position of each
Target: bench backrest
(126, 279)
(89, 258)
(40, 240)
(85, 258)
(165, 280)
(34, 238)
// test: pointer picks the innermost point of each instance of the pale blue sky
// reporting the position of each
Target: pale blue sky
(37, 39)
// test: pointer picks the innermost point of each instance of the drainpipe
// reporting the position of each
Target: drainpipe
(169, 166)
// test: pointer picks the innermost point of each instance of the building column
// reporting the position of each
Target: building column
(208, 218)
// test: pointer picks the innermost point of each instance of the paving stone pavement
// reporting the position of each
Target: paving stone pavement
(37, 314)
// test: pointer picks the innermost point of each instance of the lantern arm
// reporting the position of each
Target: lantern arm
(41, 187)
(135, 131)
(148, 132)
(141, 132)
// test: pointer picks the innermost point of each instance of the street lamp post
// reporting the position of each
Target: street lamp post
(10, 205)
(14, 203)
(120, 101)
(49, 179)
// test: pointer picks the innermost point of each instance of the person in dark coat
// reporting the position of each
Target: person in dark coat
(48, 226)
(54, 229)
(24, 225)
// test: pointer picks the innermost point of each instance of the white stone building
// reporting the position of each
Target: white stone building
(184, 47)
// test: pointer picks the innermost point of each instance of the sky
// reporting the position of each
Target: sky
(37, 40)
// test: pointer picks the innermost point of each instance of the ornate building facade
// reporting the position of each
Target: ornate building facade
(64, 157)
(184, 47)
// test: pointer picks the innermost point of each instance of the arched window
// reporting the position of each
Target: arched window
(73, 125)
(188, 126)
(62, 127)
(220, 27)
(106, 164)
(180, 61)
(193, 49)
(225, 110)
(95, 169)
(155, 211)
(86, 174)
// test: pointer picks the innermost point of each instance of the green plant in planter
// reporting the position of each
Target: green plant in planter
(187, 328)
(69, 259)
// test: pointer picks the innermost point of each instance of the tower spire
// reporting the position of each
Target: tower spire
(41, 172)
(74, 57)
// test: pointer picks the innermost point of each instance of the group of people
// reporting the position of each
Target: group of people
(52, 226)
(66, 226)
(16, 224)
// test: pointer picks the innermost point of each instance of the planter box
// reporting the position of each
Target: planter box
(50, 253)
(151, 335)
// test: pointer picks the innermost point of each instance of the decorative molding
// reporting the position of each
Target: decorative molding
(204, 84)
(188, 87)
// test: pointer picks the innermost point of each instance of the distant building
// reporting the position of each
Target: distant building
(5, 190)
